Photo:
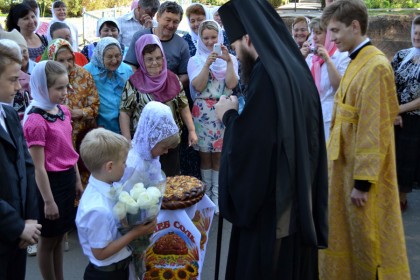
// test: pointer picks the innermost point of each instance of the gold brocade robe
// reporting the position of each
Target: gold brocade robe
(364, 241)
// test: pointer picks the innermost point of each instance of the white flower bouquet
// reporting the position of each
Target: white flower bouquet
(138, 202)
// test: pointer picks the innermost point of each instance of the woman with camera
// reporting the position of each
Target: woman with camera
(213, 72)
(327, 66)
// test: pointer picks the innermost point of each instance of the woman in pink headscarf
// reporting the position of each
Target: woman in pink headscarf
(153, 81)
(327, 66)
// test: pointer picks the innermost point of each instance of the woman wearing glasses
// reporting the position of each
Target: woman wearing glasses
(153, 81)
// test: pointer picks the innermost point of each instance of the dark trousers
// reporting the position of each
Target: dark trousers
(13, 264)
(91, 273)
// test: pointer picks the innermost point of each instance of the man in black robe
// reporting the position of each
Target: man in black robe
(273, 176)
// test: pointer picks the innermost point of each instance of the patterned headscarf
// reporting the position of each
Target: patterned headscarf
(50, 53)
(163, 87)
(98, 54)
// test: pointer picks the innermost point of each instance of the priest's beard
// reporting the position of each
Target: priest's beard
(247, 64)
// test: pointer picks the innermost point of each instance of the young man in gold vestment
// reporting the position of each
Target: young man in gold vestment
(366, 236)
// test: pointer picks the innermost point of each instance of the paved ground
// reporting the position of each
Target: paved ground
(75, 262)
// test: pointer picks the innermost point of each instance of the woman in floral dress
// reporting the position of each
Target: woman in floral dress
(212, 75)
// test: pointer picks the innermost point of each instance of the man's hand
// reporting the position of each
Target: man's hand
(225, 104)
(146, 21)
(358, 198)
(31, 233)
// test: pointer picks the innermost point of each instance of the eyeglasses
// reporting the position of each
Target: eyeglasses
(150, 60)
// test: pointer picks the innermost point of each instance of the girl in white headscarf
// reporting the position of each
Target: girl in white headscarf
(156, 133)
(406, 65)
(212, 75)
(48, 132)
(59, 13)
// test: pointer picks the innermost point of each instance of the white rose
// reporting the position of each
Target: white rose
(144, 201)
(154, 192)
(119, 210)
(139, 186)
(135, 192)
(130, 203)
(124, 197)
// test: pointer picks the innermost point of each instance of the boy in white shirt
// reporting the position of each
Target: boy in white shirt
(104, 153)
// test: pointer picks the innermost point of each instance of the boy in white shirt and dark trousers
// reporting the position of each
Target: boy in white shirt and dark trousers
(104, 153)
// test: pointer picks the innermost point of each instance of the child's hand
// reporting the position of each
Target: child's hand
(192, 138)
(145, 229)
(51, 211)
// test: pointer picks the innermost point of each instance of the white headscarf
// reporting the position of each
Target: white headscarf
(214, 10)
(414, 53)
(39, 90)
(73, 30)
(208, 15)
(218, 68)
(101, 21)
(156, 124)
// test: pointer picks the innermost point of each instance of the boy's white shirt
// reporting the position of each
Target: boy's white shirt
(96, 224)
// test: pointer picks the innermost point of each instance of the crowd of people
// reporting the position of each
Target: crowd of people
(313, 173)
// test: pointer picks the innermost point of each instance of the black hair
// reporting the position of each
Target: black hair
(109, 23)
(59, 4)
(17, 12)
(57, 26)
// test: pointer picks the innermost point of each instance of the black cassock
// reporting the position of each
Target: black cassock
(273, 184)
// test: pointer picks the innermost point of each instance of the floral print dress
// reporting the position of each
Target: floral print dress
(82, 94)
(209, 129)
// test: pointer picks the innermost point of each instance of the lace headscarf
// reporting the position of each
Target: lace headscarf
(414, 52)
(208, 15)
(50, 53)
(39, 90)
(163, 87)
(156, 124)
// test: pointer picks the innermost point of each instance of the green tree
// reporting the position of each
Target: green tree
(74, 8)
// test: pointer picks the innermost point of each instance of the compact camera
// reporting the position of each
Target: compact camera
(313, 50)
(217, 48)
